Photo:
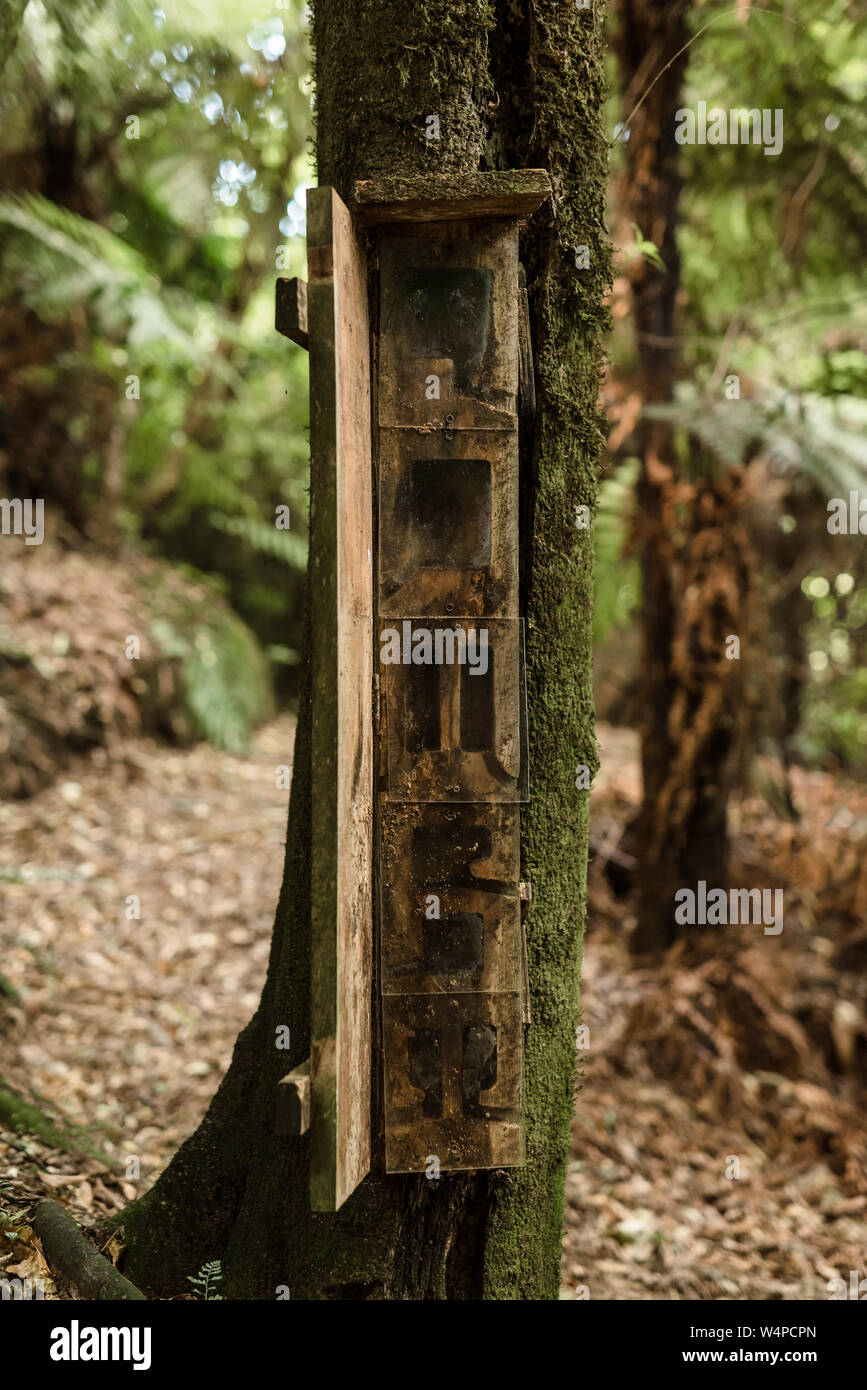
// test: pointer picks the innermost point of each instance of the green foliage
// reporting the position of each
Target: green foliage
(207, 1282)
(149, 162)
(643, 247)
(61, 259)
(835, 712)
(770, 248)
(822, 439)
(617, 579)
(225, 674)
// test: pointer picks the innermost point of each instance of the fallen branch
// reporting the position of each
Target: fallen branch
(73, 1256)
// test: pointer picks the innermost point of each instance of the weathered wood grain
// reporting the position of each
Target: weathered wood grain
(342, 668)
(450, 906)
(448, 522)
(449, 325)
(453, 1080)
(455, 735)
(290, 310)
(440, 197)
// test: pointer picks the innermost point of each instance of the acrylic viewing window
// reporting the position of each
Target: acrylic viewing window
(451, 913)
(448, 516)
(455, 708)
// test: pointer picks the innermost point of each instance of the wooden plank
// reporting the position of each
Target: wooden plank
(452, 332)
(293, 1101)
(439, 197)
(456, 727)
(290, 310)
(450, 904)
(448, 509)
(342, 667)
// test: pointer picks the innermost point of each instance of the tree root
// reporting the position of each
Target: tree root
(73, 1256)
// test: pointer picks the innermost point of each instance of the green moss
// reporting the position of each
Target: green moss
(24, 1117)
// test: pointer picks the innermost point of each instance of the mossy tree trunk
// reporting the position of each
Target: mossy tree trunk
(514, 84)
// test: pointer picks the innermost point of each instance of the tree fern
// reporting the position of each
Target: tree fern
(822, 438)
(60, 259)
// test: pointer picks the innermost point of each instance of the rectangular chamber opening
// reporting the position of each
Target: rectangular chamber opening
(449, 513)
(446, 312)
(423, 730)
(453, 945)
(477, 708)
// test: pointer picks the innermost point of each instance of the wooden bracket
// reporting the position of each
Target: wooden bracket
(290, 310)
(293, 1101)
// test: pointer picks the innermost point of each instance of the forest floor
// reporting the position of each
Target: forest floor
(719, 1143)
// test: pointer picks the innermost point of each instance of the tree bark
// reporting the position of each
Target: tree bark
(693, 551)
(515, 84)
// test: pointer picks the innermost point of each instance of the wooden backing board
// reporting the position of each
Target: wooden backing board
(342, 616)
(453, 990)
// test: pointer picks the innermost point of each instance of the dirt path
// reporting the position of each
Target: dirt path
(123, 1023)
(126, 1024)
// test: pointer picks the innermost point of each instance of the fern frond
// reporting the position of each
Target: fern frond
(264, 538)
(823, 438)
(60, 259)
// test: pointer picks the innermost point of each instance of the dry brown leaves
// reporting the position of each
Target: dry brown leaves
(737, 1046)
(126, 1025)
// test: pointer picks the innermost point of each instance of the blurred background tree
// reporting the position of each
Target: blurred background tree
(737, 394)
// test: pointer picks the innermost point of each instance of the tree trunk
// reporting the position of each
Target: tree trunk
(519, 86)
(693, 551)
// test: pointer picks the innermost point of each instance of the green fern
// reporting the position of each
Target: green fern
(60, 259)
(227, 688)
(264, 538)
(824, 439)
(207, 1282)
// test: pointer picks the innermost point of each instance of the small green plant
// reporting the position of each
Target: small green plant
(207, 1282)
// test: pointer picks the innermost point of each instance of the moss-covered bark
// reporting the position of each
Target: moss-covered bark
(512, 84)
